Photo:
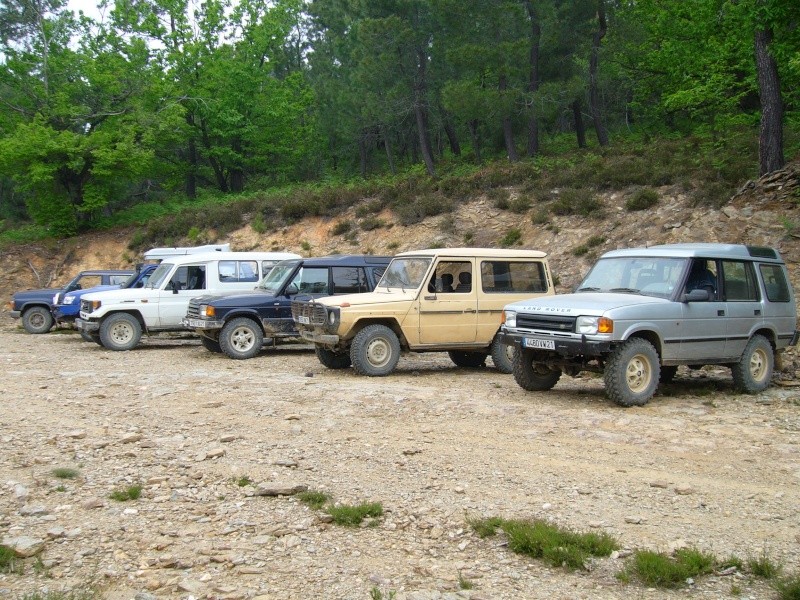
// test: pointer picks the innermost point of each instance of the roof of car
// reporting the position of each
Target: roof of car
(480, 252)
(107, 272)
(212, 256)
(703, 250)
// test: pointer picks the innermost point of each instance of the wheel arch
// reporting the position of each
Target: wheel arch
(134, 313)
(388, 322)
(247, 314)
(650, 336)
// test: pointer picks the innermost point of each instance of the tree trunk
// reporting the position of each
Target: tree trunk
(388, 147)
(236, 172)
(219, 172)
(191, 172)
(594, 59)
(450, 132)
(362, 153)
(476, 140)
(421, 111)
(508, 128)
(770, 135)
(580, 128)
(533, 78)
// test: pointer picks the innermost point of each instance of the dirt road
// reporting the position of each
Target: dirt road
(433, 444)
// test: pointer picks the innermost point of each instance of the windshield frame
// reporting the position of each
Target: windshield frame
(277, 277)
(656, 276)
(396, 274)
(159, 276)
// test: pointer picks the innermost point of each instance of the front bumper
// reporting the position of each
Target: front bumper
(15, 314)
(60, 315)
(326, 339)
(571, 346)
(203, 324)
(87, 326)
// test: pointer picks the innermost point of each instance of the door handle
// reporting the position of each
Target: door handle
(720, 313)
(470, 310)
(757, 312)
(430, 297)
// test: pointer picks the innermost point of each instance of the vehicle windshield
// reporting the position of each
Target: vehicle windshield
(405, 273)
(654, 276)
(273, 281)
(129, 281)
(158, 276)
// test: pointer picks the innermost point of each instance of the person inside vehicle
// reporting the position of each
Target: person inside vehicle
(701, 278)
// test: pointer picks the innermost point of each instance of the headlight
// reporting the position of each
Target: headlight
(207, 311)
(69, 299)
(94, 305)
(593, 325)
(333, 317)
(510, 318)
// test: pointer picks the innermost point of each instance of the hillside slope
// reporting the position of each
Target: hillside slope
(761, 213)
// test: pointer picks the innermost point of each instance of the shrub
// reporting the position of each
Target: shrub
(65, 473)
(763, 567)
(511, 238)
(642, 199)
(520, 204)
(369, 208)
(9, 563)
(132, 492)
(423, 206)
(500, 196)
(371, 223)
(352, 516)
(660, 570)
(341, 228)
(314, 500)
(577, 201)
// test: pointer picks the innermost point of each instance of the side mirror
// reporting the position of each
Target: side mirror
(292, 289)
(696, 296)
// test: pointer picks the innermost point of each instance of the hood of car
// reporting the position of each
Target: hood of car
(236, 299)
(46, 293)
(587, 303)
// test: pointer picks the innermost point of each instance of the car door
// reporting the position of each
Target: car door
(449, 315)
(187, 282)
(743, 298)
(704, 324)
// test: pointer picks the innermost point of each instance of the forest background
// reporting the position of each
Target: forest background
(177, 113)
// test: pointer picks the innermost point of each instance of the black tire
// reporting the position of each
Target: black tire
(468, 360)
(632, 373)
(753, 372)
(333, 360)
(93, 337)
(668, 374)
(210, 345)
(120, 331)
(37, 319)
(375, 351)
(531, 375)
(502, 354)
(241, 338)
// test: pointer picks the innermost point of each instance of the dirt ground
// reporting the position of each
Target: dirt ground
(698, 466)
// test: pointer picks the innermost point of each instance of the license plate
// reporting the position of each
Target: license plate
(304, 320)
(84, 315)
(539, 344)
(196, 323)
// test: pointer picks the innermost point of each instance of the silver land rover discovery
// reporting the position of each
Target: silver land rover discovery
(641, 312)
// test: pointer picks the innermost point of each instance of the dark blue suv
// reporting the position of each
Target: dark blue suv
(67, 305)
(240, 324)
(34, 306)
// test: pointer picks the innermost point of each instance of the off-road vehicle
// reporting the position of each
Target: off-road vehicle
(239, 324)
(439, 300)
(640, 313)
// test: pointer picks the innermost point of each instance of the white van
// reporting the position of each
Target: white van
(117, 318)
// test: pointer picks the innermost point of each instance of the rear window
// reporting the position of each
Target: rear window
(775, 284)
(349, 280)
(509, 277)
(238, 270)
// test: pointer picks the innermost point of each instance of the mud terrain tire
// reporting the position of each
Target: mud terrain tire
(375, 351)
(241, 338)
(120, 331)
(468, 360)
(531, 375)
(37, 319)
(333, 360)
(632, 373)
(753, 372)
(210, 345)
(502, 355)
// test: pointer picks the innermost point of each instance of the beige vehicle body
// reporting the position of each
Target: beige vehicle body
(445, 299)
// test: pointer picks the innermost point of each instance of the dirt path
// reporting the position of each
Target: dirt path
(433, 444)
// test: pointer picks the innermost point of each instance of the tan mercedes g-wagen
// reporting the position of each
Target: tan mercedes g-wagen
(439, 300)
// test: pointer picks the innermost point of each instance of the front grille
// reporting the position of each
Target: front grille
(85, 306)
(316, 313)
(193, 312)
(546, 322)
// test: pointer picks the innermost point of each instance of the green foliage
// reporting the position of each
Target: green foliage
(764, 567)
(314, 500)
(244, 481)
(577, 201)
(132, 492)
(660, 570)
(370, 223)
(352, 515)
(9, 563)
(65, 473)
(511, 238)
(341, 227)
(789, 588)
(642, 199)
(86, 592)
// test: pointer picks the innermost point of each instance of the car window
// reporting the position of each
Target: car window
(231, 271)
(118, 279)
(89, 281)
(739, 281)
(775, 283)
(349, 280)
(311, 280)
(190, 277)
(451, 277)
(506, 277)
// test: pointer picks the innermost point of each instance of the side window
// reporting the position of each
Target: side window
(349, 280)
(739, 281)
(775, 283)
(266, 266)
(311, 280)
(118, 279)
(196, 277)
(238, 270)
(505, 277)
(227, 270)
(377, 273)
(89, 281)
(248, 270)
(703, 276)
(451, 277)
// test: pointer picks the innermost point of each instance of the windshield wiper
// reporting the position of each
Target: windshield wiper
(624, 290)
(588, 289)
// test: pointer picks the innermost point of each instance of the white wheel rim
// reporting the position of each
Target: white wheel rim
(638, 374)
(121, 333)
(379, 352)
(242, 339)
(758, 365)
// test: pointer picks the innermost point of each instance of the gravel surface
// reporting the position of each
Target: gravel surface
(434, 444)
